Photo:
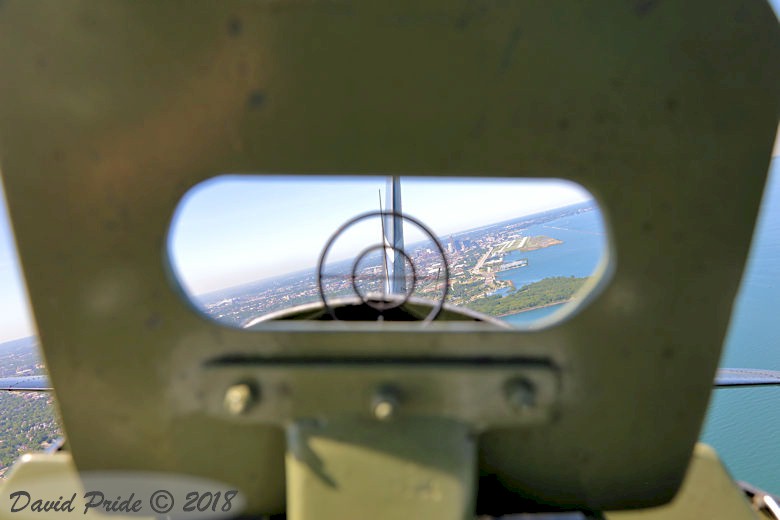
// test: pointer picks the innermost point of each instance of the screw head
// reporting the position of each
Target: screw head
(520, 393)
(385, 404)
(239, 398)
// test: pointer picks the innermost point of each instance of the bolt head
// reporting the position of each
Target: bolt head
(384, 410)
(239, 398)
(385, 404)
(520, 393)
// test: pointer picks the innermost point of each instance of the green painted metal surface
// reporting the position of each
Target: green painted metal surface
(110, 111)
(419, 468)
(707, 492)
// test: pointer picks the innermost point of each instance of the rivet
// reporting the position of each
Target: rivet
(240, 397)
(520, 394)
(385, 404)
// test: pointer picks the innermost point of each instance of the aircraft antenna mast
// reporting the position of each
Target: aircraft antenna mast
(394, 238)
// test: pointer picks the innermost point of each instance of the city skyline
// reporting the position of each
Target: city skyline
(229, 231)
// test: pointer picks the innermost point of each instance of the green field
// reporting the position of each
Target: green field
(545, 292)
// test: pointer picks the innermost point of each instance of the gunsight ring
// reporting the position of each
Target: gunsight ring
(379, 305)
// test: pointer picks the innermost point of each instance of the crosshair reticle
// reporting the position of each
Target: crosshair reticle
(385, 300)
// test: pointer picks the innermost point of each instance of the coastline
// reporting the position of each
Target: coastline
(533, 308)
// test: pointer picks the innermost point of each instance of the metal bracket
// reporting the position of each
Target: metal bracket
(477, 392)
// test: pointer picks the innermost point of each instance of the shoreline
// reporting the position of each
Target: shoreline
(533, 308)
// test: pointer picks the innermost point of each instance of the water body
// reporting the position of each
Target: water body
(584, 242)
(743, 424)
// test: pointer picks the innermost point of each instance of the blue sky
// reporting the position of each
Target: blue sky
(233, 230)
(15, 321)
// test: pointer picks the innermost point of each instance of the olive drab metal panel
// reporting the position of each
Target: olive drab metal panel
(665, 111)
